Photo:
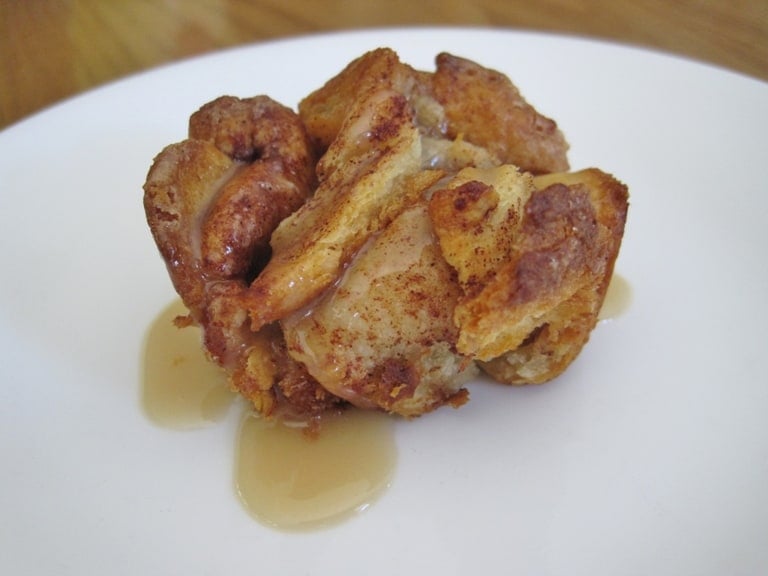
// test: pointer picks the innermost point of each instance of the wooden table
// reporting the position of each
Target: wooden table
(51, 49)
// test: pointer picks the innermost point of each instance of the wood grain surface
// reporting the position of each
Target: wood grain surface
(52, 49)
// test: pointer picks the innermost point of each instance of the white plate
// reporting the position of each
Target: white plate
(649, 456)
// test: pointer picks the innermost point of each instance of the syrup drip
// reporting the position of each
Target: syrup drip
(285, 477)
(294, 480)
(617, 299)
(181, 387)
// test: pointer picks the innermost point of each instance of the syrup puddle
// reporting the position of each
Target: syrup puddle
(181, 389)
(617, 298)
(285, 478)
(292, 480)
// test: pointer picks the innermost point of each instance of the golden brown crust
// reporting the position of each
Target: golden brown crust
(534, 257)
(572, 232)
(325, 110)
(258, 130)
(475, 215)
(212, 203)
(383, 336)
(181, 185)
(461, 101)
(367, 174)
(278, 385)
(213, 200)
(488, 110)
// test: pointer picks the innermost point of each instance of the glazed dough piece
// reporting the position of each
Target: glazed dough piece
(528, 306)
(212, 202)
(486, 108)
(384, 336)
(462, 102)
(183, 181)
(326, 109)
(561, 333)
(370, 173)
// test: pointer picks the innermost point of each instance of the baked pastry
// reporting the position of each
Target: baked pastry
(402, 231)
